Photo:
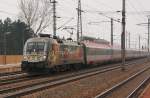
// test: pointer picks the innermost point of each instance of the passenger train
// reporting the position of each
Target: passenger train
(45, 53)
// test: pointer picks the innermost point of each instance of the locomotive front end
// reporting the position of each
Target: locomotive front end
(35, 54)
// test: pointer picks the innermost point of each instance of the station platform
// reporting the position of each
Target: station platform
(146, 93)
(10, 68)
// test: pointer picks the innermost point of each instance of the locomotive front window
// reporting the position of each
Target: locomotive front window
(35, 47)
(40, 46)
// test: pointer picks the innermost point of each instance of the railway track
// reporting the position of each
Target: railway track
(14, 91)
(16, 77)
(12, 74)
(28, 88)
(137, 91)
(6, 76)
(19, 79)
(129, 87)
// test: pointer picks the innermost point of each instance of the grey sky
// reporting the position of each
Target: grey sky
(67, 9)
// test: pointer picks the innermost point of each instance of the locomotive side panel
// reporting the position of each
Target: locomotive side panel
(71, 54)
(65, 54)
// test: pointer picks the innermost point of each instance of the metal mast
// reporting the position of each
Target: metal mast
(148, 33)
(54, 16)
(112, 32)
(126, 46)
(129, 40)
(139, 42)
(79, 21)
(123, 34)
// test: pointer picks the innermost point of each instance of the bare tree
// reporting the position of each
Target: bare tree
(36, 13)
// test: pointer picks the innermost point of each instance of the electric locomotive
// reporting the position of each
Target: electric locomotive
(49, 53)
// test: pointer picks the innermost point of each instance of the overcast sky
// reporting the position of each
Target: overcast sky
(66, 9)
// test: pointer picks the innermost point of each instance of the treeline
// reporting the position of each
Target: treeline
(13, 35)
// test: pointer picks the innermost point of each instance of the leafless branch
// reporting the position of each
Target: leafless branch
(36, 13)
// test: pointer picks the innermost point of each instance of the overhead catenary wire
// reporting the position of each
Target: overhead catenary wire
(139, 14)
(106, 5)
(108, 12)
(132, 6)
(65, 23)
(103, 14)
(140, 5)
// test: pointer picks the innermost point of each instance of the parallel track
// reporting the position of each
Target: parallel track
(137, 91)
(29, 88)
(22, 76)
(123, 88)
(19, 79)
(7, 76)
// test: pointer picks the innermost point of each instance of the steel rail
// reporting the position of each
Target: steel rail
(9, 73)
(19, 79)
(57, 82)
(40, 86)
(24, 90)
(14, 75)
(142, 86)
(110, 90)
(25, 78)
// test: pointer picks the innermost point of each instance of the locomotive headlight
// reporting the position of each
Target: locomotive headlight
(25, 57)
(44, 57)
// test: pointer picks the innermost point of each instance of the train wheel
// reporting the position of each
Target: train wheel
(54, 69)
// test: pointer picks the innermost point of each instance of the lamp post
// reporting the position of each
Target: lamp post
(5, 46)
